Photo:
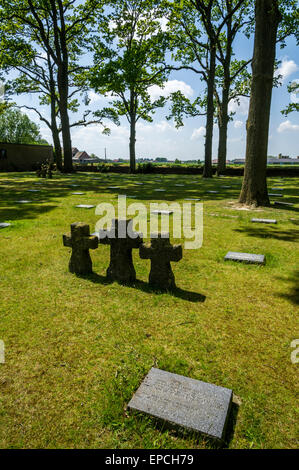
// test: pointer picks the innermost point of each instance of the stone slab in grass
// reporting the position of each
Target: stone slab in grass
(275, 195)
(33, 190)
(4, 225)
(85, 206)
(140, 184)
(113, 187)
(280, 203)
(23, 201)
(179, 185)
(213, 192)
(77, 194)
(226, 187)
(245, 258)
(161, 212)
(191, 199)
(192, 404)
(159, 190)
(264, 221)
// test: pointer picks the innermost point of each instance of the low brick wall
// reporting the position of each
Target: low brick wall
(23, 157)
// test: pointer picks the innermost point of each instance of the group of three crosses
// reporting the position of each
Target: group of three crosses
(122, 240)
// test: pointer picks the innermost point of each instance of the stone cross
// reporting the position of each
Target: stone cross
(81, 242)
(161, 252)
(122, 240)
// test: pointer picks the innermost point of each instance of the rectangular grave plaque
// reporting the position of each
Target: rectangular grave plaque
(85, 206)
(245, 257)
(162, 212)
(264, 221)
(186, 402)
(280, 203)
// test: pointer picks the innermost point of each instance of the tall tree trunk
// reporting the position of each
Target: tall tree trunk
(57, 147)
(254, 190)
(132, 144)
(65, 123)
(54, 128)
(222, 124)
(133, 108)
(208, 171)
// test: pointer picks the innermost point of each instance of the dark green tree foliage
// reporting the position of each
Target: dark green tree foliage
(17, 128)
(293, 89)
(200, 42)
(129, 59)
(44, 37)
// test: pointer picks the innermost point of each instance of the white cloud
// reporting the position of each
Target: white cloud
(162, 126)
(287, 126)
(238, 124)
(170, 87)
(94, 97)
(197, 133)
(287, 68)
(241, 108)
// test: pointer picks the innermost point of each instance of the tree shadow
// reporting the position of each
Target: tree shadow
(285, 208)
(270, 232)
(293, 295)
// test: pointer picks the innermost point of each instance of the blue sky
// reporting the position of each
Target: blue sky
(161, 139)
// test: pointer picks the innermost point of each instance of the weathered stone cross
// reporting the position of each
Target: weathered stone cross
(161, 252)
(81, 242)
(121, 240)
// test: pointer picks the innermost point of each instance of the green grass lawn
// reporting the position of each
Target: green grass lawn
(78, 347)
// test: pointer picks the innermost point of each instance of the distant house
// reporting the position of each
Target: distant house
(74, 151)
(82, 158)
(282, 161)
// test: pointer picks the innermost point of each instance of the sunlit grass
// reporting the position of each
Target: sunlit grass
(77, 348)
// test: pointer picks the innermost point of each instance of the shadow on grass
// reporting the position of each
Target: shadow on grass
(176, 292)
(231, 424)
(293, 295)
(145, 287)
(275, 233)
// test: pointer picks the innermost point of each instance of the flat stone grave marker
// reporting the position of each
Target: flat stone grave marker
(4, 225)
(245, 257)
(161, 212)
(191, 199)
(159, 190)
(275, 195)
(139, 183)
(277, 189)
(179, 185)
(280, 203)
(23, 201)
(74, 185)
(85, 206)
(213, 192)
(77, 194)
(226, 187)
(193, 404)
(33, 190)
(264, 221)
(113, 187)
